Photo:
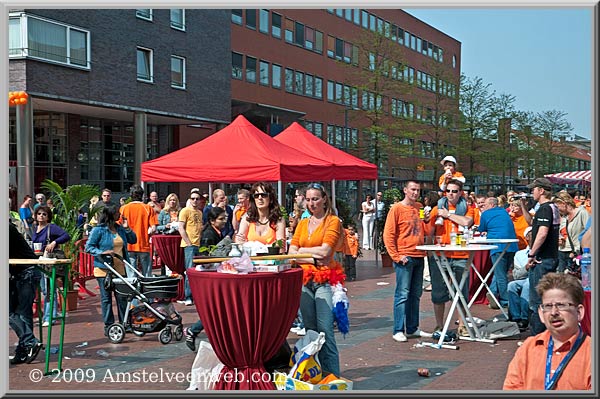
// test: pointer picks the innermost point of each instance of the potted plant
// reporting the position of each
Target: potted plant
(275, 248)
(389, 197)
(67, 203)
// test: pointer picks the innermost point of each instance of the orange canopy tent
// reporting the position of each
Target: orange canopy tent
(238, 153)
(345, 166)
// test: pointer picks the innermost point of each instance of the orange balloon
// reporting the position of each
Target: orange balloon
(24, 94)
(23, 101)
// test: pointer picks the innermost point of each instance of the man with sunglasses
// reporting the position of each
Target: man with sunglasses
(559, 358)
(452, 216)
(190, 228)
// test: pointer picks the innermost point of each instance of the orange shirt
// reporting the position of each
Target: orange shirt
(527, 369)
(445, 230)
(350, 243)
(455, 175)
(403, 231)
(477, 216)
(520, 226)
(268, 239)
(140, 217)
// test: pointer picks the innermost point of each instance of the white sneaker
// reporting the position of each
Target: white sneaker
(301, 332)
(419, 334)
(399, 337)
(188, 302)
(46, 323)
(181, 302)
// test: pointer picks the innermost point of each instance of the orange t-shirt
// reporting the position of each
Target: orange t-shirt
(140, 217)
(267, 239)
(476, 216)
(455, 175)
(445, 230)
(403, 231)
(350, 243)
(520, 226)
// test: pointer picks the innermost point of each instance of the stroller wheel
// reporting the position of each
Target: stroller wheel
(139, 333)
(115, 333)
(165, 335)
(178, 332)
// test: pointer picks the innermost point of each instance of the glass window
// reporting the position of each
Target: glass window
(236, 16)
(338, 93)
(309, 126)
(354, 98)
(330, 46)
(339, 136)
(309, 85)
(339, 48)
(236, 65)
(387, 30)
(251, 19)
(347, 97)
(365, 19)
(276, 25)
(250, 69)
(354, 55)
(47, 40)
(264, 73)
(289, 30)
(372, 22)
(380, 25)
(299, 83)
(400, 35)
(144, 13)
(318, 129)
(348, 14)
(289, 80)
(318, 87)
(178, 18)
(430, 49)
(407, 38)
(339, 12)
(310, 38)
(299, 34)
(357, 16)
(413, 42)
(330, 90)
(78, 53)
(144, 65)
(319, 42)
(276, 76)
(15, 47)
(177, 72)
(263, 21)
(419, 44)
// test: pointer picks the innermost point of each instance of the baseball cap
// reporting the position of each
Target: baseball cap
(541, 182)
(448, 158)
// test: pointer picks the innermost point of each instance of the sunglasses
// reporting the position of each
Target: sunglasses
(42, 214)
(194, 198)
(452, 191)
(260, 195)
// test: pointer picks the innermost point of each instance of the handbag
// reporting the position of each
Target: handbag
(57, 253)
(574, 267)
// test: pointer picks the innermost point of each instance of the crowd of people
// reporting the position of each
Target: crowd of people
(535, 279)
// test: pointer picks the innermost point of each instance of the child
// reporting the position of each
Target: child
(450, 173)
(351, 251)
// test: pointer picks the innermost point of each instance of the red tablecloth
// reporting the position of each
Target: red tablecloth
(246, 318)
(483, 264)
(586, 323)
(169, 250)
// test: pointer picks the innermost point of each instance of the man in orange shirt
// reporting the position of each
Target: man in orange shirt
(479, 205)
(350, 252)
(559, 358)
(243, 204)
(402, 232)
(452, 219)
(143, 221)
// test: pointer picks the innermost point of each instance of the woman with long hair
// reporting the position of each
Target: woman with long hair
(167, 218)
(49, 236)
(319, 235)
(368, 222)
(109, 237)
(572, 224)
(263, 221)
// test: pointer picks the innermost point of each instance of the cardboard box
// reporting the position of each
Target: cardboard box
(285, 383)
(272, 268)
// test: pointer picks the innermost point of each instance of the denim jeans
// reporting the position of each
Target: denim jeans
(564, 261)
(197, 327)
(316, 305)
(518, 299)
(536, 273)
(108, 316)
(189, 252)
(407, 296)
(145, 262)
(21, 295)
(499, 283)
(45, 284)
(439, 290)
(350, 267)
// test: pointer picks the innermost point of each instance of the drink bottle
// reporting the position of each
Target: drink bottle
(586, 269)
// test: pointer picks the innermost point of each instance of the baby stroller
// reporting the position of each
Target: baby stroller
(154, 311)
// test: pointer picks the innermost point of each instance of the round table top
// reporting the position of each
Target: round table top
(458, 248)
(40, 261)
(480, 240)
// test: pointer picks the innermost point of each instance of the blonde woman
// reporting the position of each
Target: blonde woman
(572, 224)
(167, 219)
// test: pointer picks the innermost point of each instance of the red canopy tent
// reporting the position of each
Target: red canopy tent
(237, 153)
(583, 177)
(345, 166)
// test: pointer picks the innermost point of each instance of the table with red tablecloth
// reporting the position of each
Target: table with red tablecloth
(586, 323)
(246, 318)
(483, 264)
(168, 247)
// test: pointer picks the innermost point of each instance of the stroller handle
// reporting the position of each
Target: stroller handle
(108, 258)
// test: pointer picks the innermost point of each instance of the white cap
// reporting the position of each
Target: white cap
(448, 158)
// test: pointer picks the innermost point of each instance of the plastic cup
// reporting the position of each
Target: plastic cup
(37, 248)
(438, 241)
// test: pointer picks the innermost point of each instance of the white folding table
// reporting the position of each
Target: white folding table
(506, 242)
(455, 289)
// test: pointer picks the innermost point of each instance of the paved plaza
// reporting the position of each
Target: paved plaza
(368, 354)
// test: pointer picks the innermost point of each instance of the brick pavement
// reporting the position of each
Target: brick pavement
(368, 355)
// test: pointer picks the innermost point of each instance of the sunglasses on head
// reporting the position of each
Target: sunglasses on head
(260, 195)
(452, 191)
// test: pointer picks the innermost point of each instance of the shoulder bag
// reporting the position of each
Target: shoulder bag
(57, 253)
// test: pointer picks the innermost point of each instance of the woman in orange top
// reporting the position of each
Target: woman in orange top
(320, 235)
(263, 221)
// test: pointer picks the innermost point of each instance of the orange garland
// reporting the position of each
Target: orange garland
(331, 274)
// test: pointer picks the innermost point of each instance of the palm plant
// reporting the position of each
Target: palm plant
(389, 198)
(67, 203)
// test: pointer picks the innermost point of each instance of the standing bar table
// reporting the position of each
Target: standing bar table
(454, 288)
(506, 242)
(168, 247)
(246, 318)
(51, 268)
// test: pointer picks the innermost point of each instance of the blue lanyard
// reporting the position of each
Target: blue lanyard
(550, 382)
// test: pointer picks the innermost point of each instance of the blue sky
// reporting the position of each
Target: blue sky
(542, 56)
